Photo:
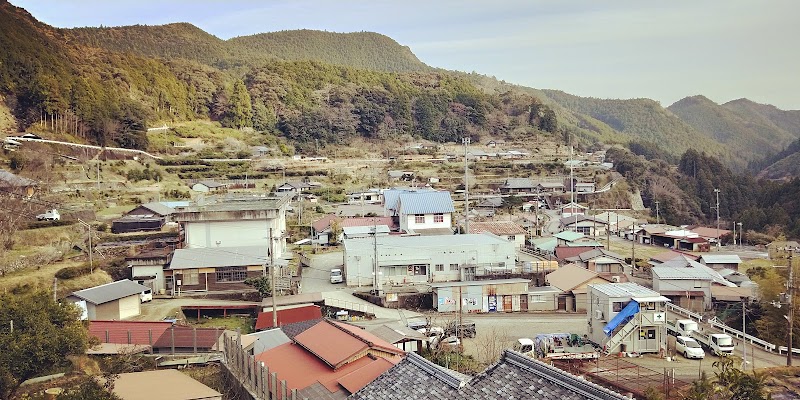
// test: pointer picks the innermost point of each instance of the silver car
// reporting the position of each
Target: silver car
(689, 347)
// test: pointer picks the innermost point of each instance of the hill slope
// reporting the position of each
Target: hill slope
(748, 136)
(642, 120)
(788, 120)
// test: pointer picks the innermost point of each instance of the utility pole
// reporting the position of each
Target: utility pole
(717, 207)
(658, 220)
(460, 315)
(272, 281)
(741, 233)
(466, 141)
(89, 228)
(376, 284)
(790, 319)
(734, 234)
(744, 330)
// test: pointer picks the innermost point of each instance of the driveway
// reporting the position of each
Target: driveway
(317, 276)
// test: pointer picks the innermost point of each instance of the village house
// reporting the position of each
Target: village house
(505, 229)
(680, 239)
(487, 206)
(323, 227)
(601, 261)
(584, 224)
(15, 184)
(550, 187)
(572, 282)
(517, 185)
(689, 288)
(294, 188)
(115, 300)
(498, 295)
(721, 261)
(402, 337)
(584, 187)
(424, 212)
(215, 268)
(626, 317)
(371, 196)
(147, 267)
(403, 176)
(405, 260)
(248, 221)
(572, 210)
(711, 235)
(209, 186)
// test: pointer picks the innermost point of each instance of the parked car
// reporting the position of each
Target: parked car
(336, 275)
(447, 343)
(465, 329)
(49, 215)
(146, 296)
(689, 347)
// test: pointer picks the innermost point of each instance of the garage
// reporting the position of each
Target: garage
(112, 301)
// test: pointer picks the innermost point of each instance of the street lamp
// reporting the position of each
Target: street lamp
(741, 233)
(716, 191)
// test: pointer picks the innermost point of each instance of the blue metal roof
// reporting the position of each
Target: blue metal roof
(425, 203)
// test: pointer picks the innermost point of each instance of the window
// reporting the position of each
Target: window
(650, 306)
(511, 238)
(453, 267)
(698, 284)
(420, 269)
(651, 333)
(439, 267)
(419, 219)
(438, 217)
(231, 274)
(617, 306)
(536, 298)
(190, 277)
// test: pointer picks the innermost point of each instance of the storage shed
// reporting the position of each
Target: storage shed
(112, 301)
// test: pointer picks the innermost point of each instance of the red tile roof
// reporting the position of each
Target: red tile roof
(709, 232)
(501, 228)
(564, 252)
(288, 316)
(671, 255)
(323, 223)
(184, 337)
(301, 369)
(336, 343)
(128, 332)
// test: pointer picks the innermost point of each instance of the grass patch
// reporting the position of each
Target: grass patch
(43, 276)
(245, 324)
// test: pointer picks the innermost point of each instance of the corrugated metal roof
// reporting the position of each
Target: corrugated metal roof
(518, 183)
(128, 332)
(626, 289)
(188, 337)
(568, 236)
(161, 384)
(680, 273)
(336, 343)
(237, 204)
(110, 291)
(213, 257)
(288, 316)
(720, 259)
(396, 333)
(365, 230)
(686, 262)
(425, 203)
(569, 276)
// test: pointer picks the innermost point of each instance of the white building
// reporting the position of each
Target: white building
(626, 317)
(425, 259)
(235, 223)
(420, 211)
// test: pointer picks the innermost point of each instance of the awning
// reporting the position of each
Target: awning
(622, 317)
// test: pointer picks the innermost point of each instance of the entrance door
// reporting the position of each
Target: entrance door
(469, 273)
(523, 302)
(562, 303)
(507, 303)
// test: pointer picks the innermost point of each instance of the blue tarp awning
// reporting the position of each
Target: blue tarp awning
(622, 317)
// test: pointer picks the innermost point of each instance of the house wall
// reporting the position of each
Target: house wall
(151, 270)
(480, 297)
(235, 233)
(207, 279)
(408, 221)
(605, 265)
(105, 311)
(543, 301)
(685, 285)
(396, 264)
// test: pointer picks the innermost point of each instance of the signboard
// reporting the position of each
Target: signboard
(391, 296)
(492, 303)
(659, 317)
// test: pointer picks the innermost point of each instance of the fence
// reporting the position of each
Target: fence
(727, 329)
(254, 376)
(350, 305)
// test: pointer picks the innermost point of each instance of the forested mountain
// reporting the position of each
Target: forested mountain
(641, 120)
(788, 120)
(747, 135)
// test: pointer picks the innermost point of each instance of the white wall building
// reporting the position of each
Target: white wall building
(420, 210)
(425, 259)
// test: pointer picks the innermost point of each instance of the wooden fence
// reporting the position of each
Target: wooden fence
(253, 375)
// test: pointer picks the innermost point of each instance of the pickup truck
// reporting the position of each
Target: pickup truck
(720, 344)
(49, 215)
(682, 327)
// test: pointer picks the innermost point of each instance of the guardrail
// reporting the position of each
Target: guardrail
(725, 328)
(685, 312)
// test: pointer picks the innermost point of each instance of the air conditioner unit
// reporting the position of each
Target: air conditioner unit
(615, 279)
(598, 314)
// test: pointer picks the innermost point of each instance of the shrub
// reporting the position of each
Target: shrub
(73, 272)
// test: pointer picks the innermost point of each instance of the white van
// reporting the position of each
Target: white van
(336, 276)
(146, 296)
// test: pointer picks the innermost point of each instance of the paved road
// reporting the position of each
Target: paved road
(317, 276)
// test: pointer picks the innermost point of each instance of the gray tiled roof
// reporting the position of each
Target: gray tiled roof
(7, 179)
(212, 257)
(515, 376)
(518, 183)
(158, 208)
(268, 339)
(428, 202)
(296, 328)
(110, 291)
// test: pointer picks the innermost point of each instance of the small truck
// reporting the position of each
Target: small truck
(49, 215)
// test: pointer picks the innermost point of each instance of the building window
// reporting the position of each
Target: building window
(438, 217)
(453, 267)
(190, 277)
(651, 333)
(650, 306)
(511, 238)
(419, 219)
(231, 274)
(439, 267)
(418, 269)
(536, 298)
(616, 306)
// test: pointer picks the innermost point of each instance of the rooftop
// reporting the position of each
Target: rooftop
(396, 333)
(626, 289)
(568, 236)
(128, 332)
(680, 273)
(518, 183)
(213, 257)
(720, 259)
(237, 204)
(569, 277)
(110, 291)
(501, 228)
(164, 384)
(426, 202)
(336, 343)
(188, 337)
(158, 208)
(9, 180)
(265, 340)
(288, 316)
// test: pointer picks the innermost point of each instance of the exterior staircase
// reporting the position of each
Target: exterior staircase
(615, 340)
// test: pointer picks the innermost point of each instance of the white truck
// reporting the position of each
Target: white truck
(585, 352)
(49, 215)
(682, 327)
(720, 344)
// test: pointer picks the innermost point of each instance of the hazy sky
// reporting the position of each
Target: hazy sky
(664, 50)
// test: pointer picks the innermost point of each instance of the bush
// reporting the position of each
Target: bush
(73, 272)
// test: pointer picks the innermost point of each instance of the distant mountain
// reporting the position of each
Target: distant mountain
(640, 120)
(789, 120)
(747, 132)
(363, 50)
(783, 169)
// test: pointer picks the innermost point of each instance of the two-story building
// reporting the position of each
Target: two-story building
(406, 260)
(687, 287)
(421, 212)
(601, 261)
(626, 317)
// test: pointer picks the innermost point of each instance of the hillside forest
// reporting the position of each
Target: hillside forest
(316, 89)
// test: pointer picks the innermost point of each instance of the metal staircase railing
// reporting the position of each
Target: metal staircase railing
(615, 340)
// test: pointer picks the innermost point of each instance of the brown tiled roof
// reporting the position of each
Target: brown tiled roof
(564, 252)
(323, 223)
(709, 232)
(128, 332)
(336, 343)
(184, 337)
(671, 255)
(500, 228)
(569, 276)
(302, 369)
(288, 316)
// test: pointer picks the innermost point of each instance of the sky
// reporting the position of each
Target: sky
(663, 50)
